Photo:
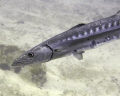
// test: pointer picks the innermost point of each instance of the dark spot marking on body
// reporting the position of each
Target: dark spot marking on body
(116, 23)
(94, 30)
(75, 50)
(100, 27)
(88, 39)
(106, 26)
(112, 24)
(88, 31)
(93, 43)
(4, 67)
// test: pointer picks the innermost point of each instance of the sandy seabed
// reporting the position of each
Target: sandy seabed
(26, 23)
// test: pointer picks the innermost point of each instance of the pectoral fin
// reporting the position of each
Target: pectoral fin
(78, 55)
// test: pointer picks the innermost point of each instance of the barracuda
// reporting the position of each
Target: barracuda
(73, 41)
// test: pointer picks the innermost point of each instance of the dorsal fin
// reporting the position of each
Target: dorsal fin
(118, 13)
(79, 25)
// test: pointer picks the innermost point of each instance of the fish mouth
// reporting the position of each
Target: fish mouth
(17, 63)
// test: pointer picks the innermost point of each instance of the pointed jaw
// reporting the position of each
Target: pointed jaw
(17, 64)
(22, 63)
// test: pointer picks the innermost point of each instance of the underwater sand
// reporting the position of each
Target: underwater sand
(26, 23)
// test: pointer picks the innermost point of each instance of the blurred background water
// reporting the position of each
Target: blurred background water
(26, 23)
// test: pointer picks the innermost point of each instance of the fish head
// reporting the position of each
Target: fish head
(38, 54)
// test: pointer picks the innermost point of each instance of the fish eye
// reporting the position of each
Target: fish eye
(31, 54)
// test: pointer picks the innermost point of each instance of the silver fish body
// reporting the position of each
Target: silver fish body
(73, 41)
